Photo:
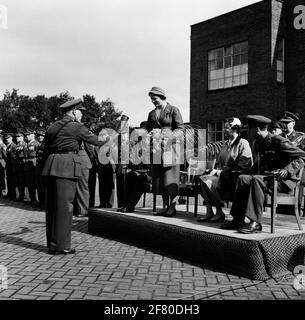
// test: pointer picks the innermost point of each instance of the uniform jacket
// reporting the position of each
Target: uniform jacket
(294, 136)
(237, 156)
(2, 155)
(86, 152)
(31, 155)
(10, 154)
(21, 152)
(61, 148)
(276, 152)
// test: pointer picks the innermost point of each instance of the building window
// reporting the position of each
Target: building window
(215, 131)
(280, 61)
(228, 66)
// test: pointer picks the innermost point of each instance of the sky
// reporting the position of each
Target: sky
(116, 49)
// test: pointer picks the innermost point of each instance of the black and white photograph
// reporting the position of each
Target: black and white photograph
(152, 153)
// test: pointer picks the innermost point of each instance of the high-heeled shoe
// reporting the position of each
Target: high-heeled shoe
(217, 218)
(162, 212)
(171, 211)
(205, 219)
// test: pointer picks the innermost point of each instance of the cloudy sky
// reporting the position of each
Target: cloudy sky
(115, 49)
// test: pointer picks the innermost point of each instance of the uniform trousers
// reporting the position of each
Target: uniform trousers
(20, 179)
(40, 183)
(82, 194)
(250, 196)
(30, 178)
(60, 194)
(92, 185)
(11, 182)
(106, 185)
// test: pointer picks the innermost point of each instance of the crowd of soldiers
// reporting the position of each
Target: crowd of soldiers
(21, 166)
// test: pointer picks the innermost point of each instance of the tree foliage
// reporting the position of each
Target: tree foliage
(20, 112)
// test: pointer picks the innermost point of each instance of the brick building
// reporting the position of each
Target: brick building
(248, 61)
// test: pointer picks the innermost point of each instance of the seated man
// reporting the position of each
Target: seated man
(137, 181)
(270, 153)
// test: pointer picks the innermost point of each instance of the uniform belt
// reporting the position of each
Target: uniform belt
(66, 152)
(31, 158)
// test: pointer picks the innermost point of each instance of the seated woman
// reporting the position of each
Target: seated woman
(234, 157)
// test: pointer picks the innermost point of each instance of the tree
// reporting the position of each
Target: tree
(20, 112)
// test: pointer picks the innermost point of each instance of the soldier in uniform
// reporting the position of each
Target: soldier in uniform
(39, 165)
(62, 170)
(30, 166)
(10, 166)
(2, 164)
(270, 153)
(82, 190)
(290, 119)
(21, 154)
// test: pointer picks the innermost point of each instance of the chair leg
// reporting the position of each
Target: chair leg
(154, 203)
(297, 215)
(273, 206)
(144, 199)
(187, 203)
(196, 206)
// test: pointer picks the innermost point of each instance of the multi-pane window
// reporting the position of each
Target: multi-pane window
(215, 131)
(228, 66)
(280, 61)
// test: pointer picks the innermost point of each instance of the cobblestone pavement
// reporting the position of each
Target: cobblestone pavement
(110, 270)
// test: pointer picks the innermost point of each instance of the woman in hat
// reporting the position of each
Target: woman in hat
(164, 123)
(234, 157)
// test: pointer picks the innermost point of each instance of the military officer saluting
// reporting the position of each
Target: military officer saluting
(21, 154)
(30, 165)
(62, 170)
(290, 119)
(10, 166)
(39, 166)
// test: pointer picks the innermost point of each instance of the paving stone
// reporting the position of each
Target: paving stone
(104, 269)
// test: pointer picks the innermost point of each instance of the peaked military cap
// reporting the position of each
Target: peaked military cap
(19, 134)
(72, 104)
(289, 117)
(8, 135)
(40, 132)
(277, 125)
(258, 119)
(29, 131)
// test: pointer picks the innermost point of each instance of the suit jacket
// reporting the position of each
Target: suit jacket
(169, 117)
(58, 162)
(276, 152)
(237, 156)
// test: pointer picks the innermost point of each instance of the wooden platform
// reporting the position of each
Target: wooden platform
(255, 256)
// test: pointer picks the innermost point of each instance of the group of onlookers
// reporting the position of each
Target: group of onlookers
(21, 166)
